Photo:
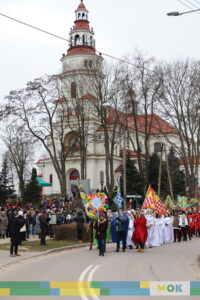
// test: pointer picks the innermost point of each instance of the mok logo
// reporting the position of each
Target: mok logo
(170, 288)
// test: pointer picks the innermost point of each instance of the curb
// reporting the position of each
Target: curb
(55, 250)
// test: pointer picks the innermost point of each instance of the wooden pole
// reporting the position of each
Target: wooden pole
(168, 174)
(160, 171)
(124, 168)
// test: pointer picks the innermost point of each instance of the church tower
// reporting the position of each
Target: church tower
(81, 63)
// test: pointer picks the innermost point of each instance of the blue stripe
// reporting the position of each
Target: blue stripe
(129, 292)
(119, 284)
(195, 284)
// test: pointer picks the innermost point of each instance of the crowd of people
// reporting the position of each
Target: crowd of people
(142, 229)
(133, 228)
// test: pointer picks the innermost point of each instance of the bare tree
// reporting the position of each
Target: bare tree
(44, 118)
(142, 86)
(20, 151)
(181, 106)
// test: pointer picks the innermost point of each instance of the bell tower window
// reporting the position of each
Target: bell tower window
(73, 90)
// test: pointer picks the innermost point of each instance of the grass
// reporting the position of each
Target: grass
(34, 246)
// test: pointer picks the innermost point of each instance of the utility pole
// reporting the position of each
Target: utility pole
(124, 168)
(168, 174)
(160, 171)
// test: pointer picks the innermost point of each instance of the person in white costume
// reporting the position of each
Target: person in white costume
(150, 228)
(158, 232)
(129, 241)
(169, 236)
(162, 229)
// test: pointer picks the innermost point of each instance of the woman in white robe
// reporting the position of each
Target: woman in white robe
(150, 229)
(169, 237)
(158, 229)
(129, 241)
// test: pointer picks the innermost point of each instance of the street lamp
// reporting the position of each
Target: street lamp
(176, 13)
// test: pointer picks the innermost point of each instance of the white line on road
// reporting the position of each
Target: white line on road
(90, 277)
(81, 279)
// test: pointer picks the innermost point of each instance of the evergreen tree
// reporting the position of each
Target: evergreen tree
(6, 185)
(154, 163)
(134, 182)
(32, 190)
(178, 176)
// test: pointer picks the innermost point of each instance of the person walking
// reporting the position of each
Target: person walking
(140, 233)
(176, 227)
(101, 226)
(44, 227)
(122, 223)
(16, 223)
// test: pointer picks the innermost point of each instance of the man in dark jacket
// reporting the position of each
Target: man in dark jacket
(121, 229)
(80, 221)
(44, 226)
(16, 223)
(101, 226)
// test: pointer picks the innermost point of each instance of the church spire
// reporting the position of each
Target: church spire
(81, 37)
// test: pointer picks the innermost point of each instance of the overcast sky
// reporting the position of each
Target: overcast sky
(120, 27)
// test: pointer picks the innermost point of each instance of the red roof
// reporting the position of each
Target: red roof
(61, 100)
(81, 50)
(81, 6)
(188, 159)
(88, 97)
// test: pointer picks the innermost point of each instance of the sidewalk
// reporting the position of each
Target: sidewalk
(6, 260)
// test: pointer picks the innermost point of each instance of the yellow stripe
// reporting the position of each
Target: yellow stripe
(145, 284)
(4, 292)
(79, 292)
(68, 284)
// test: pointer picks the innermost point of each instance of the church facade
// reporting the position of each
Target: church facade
(81, 69)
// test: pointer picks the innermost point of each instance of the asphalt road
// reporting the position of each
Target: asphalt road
(174, 262)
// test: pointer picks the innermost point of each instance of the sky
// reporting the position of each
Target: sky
(120, 27)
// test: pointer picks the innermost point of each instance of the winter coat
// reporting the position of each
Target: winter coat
(17, 222)
(101, 227)
(3, 222)
(44, 226)
(80, 221)
(121, 224)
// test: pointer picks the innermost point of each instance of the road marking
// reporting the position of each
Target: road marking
(81, 279)
(90, 277)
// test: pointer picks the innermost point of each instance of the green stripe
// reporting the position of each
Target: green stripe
(19, 284)
(30, 292)
(104, 292)
(194, 292)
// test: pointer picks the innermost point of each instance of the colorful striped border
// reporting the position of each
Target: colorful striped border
(99, 288)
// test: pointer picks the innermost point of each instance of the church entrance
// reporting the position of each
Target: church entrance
(74, 175)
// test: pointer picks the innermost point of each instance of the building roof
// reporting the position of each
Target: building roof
(81, 6)
(87, 97)
(152, 122)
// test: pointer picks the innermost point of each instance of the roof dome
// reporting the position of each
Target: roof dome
(81, 5)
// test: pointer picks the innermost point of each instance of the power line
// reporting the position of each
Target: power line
(186, 5)
(34, 27)
(191, 3)
(61, 38)
(197, 2)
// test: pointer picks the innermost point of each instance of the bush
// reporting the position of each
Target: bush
(68, 232)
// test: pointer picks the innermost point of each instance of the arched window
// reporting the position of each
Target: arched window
(83, 15)
(157, 147)
(90, 63)
(71, 142)
(77, 39)
(73, 90)
(74, 175)
(51, 178)
(86, 63)
(79, 15)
